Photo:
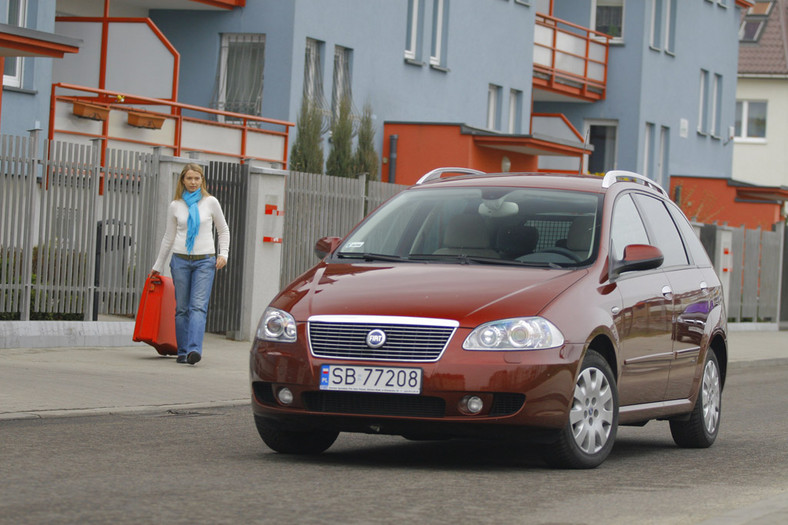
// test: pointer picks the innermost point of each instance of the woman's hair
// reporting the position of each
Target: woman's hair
(179, 188)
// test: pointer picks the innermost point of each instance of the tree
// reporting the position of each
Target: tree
(307, 152)
(340, 159)
(366, 158)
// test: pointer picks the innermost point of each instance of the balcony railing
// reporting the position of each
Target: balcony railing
(569, 59)
(143, 123)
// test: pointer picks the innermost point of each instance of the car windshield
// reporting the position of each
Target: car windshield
(490, 225)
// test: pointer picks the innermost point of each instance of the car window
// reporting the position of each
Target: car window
(626, 227)
(663, 230)
(691, 240)
(521, 225)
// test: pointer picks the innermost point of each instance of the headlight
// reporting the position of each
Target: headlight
(522, 333)
(277, 325)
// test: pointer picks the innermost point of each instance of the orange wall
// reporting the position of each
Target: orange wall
(424, 147)
(714, 201)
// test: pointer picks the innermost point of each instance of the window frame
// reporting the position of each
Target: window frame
(413, 33)
(610, 3)
(17, 63)
(494, 92)
(743, 135)
(440, 21)
(607, 166)
(657, 36)
(342, 83)
(703, 94)
(226, 40)
(515, 111)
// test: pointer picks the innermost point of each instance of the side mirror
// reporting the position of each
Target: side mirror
(638, 257)
(326, 245)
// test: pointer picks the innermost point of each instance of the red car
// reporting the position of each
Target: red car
(538, 307)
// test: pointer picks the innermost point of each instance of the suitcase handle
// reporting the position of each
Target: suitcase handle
(154, 279)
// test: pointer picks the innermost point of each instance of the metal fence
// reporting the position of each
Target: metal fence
(229, 183)
(318, 206)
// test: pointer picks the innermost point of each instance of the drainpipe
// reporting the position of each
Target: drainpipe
(393, 158)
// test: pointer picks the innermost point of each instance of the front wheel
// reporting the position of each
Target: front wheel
(588, 436)
(701, 428)
(292, 441)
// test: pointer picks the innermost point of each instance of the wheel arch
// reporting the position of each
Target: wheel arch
(720, 349)
(602, 344)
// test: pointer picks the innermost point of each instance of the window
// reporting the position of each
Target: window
(663, 230)
(662, 174)
(750, 119)
(670, 26)
(603, 137)
(494, 107)
(240, 76)
(342, 59)
(754, 21)
(413, 33)
(648, 152)
(440, 19)
(702, 101)
(609, 18)
(313, 67)
(716, 106)
(515, 111)
(16, 16)
(656, 24)
(626, 227)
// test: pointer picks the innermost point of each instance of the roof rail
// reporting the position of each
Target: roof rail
(436, 173)
(611, 177)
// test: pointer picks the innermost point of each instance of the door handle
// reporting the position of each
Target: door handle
(667, 292)
(704, 287)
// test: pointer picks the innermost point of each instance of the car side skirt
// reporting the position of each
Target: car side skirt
(632, 414)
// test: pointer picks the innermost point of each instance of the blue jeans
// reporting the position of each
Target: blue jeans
(193, 281)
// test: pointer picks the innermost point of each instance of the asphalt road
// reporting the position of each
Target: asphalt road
(209, 466)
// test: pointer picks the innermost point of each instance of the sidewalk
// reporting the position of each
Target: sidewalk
(58, 382)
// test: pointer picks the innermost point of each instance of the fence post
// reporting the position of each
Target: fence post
(263, 250)
(27, 245)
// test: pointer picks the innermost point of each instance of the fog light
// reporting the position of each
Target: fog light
(471, 404)
(285, 396)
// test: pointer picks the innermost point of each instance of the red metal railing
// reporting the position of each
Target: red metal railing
(570, 59)
(246, 125)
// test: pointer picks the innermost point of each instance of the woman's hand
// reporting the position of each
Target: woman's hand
(221, 262)
(154, 273)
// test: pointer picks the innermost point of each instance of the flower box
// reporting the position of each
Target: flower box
(90, 111)
(145, 120)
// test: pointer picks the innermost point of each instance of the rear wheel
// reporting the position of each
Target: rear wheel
(291, 441)
(588, 436)
(701, 428)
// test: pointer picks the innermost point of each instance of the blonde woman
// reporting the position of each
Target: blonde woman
(189, 238)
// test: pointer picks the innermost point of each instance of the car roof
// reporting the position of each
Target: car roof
(562, 181)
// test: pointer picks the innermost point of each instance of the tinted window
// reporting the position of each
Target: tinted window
(626, 227)
(691, 240)
(663, 230)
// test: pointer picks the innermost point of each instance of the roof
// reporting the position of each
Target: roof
(767, 25)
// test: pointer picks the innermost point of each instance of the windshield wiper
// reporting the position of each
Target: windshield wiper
(473, 259)
(369, 257)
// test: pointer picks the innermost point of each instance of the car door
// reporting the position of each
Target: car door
(689, 291)
(644, 320)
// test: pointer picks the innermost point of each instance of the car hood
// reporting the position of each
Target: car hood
(470, 294)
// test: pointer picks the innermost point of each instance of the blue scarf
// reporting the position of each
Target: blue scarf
(193, 224)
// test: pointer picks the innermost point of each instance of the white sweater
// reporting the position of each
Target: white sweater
(175, 234)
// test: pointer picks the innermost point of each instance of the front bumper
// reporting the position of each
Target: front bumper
(522, 391)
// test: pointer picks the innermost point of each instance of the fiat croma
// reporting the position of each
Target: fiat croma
(543, 308)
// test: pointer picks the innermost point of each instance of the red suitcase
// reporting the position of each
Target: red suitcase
(155, 323)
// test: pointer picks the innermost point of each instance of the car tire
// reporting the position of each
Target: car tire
(589, 434)
(292, 441)
(701, 428)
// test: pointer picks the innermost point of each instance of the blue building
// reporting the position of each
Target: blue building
(647, 86)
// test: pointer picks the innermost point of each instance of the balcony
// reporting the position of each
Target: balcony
(570, 61)
(133, 122)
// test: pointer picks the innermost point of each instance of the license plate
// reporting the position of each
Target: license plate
(370, 379)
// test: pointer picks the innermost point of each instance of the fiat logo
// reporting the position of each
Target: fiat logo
(376, 338)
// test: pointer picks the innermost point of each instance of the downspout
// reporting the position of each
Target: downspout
(393, 158)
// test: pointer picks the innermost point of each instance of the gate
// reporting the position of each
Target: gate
(229, 183)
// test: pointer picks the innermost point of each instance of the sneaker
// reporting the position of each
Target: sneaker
(193, 358)
(181, 359)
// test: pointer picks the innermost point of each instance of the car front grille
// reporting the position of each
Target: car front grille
(374, 404)
(347, 339)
